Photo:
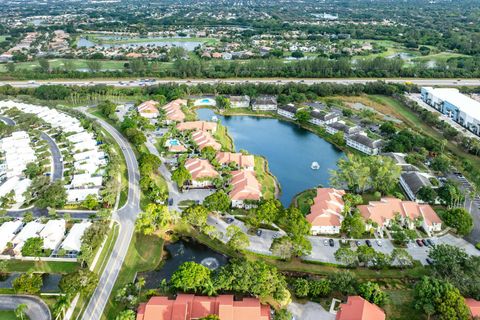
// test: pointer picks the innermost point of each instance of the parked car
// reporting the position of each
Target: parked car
(358, 243)
(325, 242)
(331, 242)
(425, 243)
(368, 242)
(170, 202)
(430, 243)
(379, 243)
(259, 232)
(276, 235)
(229, 220)
(429, 261)
(419, 242)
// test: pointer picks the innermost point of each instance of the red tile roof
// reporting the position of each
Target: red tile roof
(149, 106)
(474, 307)
(189, 307)
(387, 208)
(173, 110)
(204, 139)
(200, 168)
(240, 159)
(197, 125)
(245, 186)
(327, 208)
(358, 308)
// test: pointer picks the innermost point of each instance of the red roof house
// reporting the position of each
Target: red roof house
(326, 212)
(358, 308)
(474, 307)
(189, 307)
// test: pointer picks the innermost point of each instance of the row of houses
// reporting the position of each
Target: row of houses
(326, 213)
(88, 157)
(17, 233)
(354, 136)
(16, 153)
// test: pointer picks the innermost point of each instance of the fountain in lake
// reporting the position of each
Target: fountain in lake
(211, 263)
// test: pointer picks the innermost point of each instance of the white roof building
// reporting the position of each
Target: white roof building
(30, 230)
(78, 195)
(17, 153)
(7, 232)
(18, 186)
(85, 179)
(73, 241)
(53, 233)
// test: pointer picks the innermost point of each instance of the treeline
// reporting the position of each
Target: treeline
(319, 67)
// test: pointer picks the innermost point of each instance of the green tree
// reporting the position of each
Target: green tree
(427, 194)
(301, 287)
(282, 247)
(218, 201)
(353, 225)
(33, 247)
(371, 291)
(196, 215)
(441, 163)
(366, 254)
(238, 240)
(81, 281)
(460, 219)
(346, 256)
(126, 315)
(222, 102)
(21, 311)
(303, 116)
(154, 217)
(90, 202)
(181, 175)
(32, 170)
(343, 282)
(94, 65)
(320, 288)
(402, 257)
(44, 65)
(191, 277)
(29, 283)
(450, 194)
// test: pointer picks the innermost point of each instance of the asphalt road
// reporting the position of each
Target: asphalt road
(8, 121)
(36, 308)
(125, 216)
(56, 155)
(138, 82)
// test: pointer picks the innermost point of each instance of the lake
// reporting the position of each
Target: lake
(179, 252)
(289, 149)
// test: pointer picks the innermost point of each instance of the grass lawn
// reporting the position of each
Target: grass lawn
(304, 200)
(441, 56)
(41, 266)
(398, 305)
(77, 64)
(144, 253)
(222, 136)
(9, 315)
(100, 38)
(265, 178)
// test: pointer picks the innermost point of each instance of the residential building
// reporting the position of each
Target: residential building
(287, 111)
(173, 110)
(341, 126)
(197, 126)
(474, 307)
(242, 161)
(361, 142)
(322, 118)
(52, 234)
(85, 180)
(412, 182)
(357, 308)
(30, 230)
(148, 109)
(73, 240)
(245, 186)
(78, 195)
(204, 139)
(457, 106)
(239, 101)
(190, 307)
(326, 212)
(201, 171)
(265, 103)
(399, 159)
(381, 214)
(7, 232)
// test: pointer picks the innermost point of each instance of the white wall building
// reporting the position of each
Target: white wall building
(73, 241)
(7, 232)
(52, 234)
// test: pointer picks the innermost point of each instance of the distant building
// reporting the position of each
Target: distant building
(361, 142)
(198, 125)
(173, 110)
(190, 307)
(202, 172)
(357, 308)
(412, 182)
(287, 111)
(341, 126)
(457, 106)
(204, 139)
(239, 101)
(326, 212)
(241, 160)
(245, 186)
(265, 103)
(322, 118)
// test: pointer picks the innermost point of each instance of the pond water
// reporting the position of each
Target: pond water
(179, 252)
(289, 149)
(50, 282)
(187, 45)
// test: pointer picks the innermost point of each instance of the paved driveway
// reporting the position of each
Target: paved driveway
(309, 311)
(36, 308)
(56, 155)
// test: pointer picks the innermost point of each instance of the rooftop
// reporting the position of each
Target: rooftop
(357, 308)
(454, 97)
(200, 168)
(327, 208)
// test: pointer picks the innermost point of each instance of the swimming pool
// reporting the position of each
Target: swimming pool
(173, 142)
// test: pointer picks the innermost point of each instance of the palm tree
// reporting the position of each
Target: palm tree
(140, 284)
(20, 311)
(61, 306)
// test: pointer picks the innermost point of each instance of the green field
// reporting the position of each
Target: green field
(9, 315)
(41, 266)
(266, 180)
(99, 38)
(59, 63)
(303, 201)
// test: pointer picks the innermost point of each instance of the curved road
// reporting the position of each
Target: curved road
(126, 217)
(309, 81)
(36, 308)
